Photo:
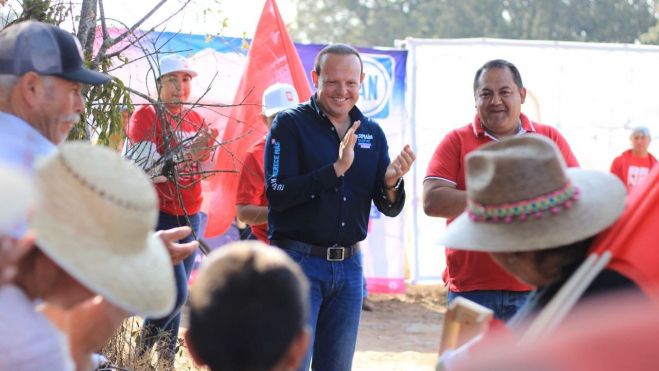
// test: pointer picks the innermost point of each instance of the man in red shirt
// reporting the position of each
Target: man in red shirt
(499, 94)
(251, 202)
(633, 165)
(170, 141)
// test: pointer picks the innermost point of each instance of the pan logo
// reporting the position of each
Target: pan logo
(378, 85)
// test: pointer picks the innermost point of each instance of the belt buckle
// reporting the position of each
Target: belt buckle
(336, 248)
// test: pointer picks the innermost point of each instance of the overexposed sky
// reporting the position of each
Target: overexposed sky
(241, 15)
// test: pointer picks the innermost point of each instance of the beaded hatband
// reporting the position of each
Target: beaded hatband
(555, 202)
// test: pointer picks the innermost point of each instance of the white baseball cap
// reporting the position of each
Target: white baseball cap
(175, 63)
(278, 97)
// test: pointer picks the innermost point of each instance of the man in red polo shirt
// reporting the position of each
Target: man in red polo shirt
(499, 94)
(634, 165)
(251, 203)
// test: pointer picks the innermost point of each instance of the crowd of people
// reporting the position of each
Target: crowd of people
(89, 237)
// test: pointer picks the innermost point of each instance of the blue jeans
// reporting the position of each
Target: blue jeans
(335, 308)
(170, 323)
(504, 303)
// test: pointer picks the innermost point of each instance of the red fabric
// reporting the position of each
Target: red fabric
(470, 270)
(632, 170)
(272, 58)
(251, 185)
(144, 126)
(632, 239)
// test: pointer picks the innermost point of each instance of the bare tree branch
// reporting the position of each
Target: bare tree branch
(87, 24)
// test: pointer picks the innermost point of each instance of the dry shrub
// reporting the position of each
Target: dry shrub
(123, 351)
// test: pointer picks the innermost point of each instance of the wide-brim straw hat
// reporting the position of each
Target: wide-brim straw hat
(95, 217)
(15, 198)
(521, 197)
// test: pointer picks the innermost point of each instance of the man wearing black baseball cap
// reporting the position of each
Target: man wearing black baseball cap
(41, 75)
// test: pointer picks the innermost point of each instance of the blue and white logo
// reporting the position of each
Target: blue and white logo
(378, 85)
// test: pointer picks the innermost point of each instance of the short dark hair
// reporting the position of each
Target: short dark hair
(499, 63)
(247, 306)
(340, 49)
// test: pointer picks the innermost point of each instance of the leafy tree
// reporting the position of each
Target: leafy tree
(380, 22)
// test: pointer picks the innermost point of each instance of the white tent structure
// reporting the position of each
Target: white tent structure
(593, 93)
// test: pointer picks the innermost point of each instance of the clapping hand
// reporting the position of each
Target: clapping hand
(399, 166)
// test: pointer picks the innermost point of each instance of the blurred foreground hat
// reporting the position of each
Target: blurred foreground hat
(520, 197)
(95, 217)
(45, 49)
(15, 198)
(175, 63)
(278, 97)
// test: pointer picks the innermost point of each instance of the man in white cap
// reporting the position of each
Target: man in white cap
(41, 76)
(251, 201)
(173, 137)
(634, 165)
(83, 192)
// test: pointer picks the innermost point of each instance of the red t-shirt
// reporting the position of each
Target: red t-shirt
(471, 270)
(632, 170)
(251, 185)
(144, 126)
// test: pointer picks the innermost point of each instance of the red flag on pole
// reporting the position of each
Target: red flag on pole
(632, 240)
(272, 58)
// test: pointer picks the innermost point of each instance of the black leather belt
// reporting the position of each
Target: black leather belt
(331, 253)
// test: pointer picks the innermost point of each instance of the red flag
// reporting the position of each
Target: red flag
(272, 58)
(632, 240)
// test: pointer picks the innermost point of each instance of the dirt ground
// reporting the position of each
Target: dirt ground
(400, 334)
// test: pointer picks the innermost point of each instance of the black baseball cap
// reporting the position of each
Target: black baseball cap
(46, 50)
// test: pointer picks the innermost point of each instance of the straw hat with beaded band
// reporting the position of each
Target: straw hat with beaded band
(95, 217)
(521, 197)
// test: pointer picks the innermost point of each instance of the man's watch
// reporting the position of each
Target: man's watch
(395, 186)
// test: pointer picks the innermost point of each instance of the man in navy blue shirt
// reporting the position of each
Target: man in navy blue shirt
(324, 164)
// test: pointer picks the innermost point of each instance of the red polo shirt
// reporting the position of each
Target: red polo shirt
(145, 126)
(469, 270)
(251, 185)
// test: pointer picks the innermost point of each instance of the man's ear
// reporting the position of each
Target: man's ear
(522, 93)
(30, 87)
(296, 351)
(193, 352)
(314, 78)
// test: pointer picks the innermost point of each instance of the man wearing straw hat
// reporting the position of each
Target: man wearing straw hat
(79, 204)
(499, 94)
(538, 220)
(41, 75)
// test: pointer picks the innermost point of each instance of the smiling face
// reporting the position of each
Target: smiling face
(175, 89)
(338, 85)
(499, 102)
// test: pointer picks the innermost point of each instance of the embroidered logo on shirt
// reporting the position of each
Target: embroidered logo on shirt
(364, 140)
(276, 145)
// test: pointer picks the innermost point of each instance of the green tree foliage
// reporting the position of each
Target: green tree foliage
(380, 22)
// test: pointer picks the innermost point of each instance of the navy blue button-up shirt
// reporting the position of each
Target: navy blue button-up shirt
(307, 201)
